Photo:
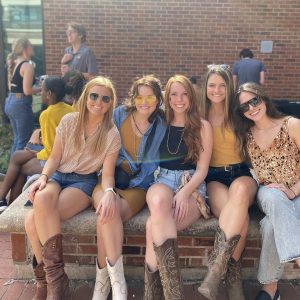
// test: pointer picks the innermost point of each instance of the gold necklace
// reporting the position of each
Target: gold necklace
(173, 153)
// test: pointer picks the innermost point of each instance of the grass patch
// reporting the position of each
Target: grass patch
(5, 146)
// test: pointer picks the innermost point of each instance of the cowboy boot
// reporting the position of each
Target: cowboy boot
(153, 287)
(102, 283)
(57, 279)
(40, 278)
(168, 266)
(233, 280)
(117, 279)
(217, 264)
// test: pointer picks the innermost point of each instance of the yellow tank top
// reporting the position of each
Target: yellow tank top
(225, 148)
(130, 142)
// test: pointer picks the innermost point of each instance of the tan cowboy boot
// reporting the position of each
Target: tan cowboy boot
(40, 278)
(217, 264)
(153, 287)
(102, 284)
(169, 271)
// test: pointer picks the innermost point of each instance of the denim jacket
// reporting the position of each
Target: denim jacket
(147, 162)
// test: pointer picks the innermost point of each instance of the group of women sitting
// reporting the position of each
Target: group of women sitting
(107, 157)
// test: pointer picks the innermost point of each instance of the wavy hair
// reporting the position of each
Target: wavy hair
(205, 103)
(152, 82)
(191, 132)
(243, 124)
(99, 141)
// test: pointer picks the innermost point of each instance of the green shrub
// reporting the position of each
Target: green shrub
(5, 146)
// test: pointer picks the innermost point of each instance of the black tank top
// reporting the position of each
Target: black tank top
(17, 80)
(172, 155)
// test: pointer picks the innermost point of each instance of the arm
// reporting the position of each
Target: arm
(27, 72)
(200, 173)
(262, 77)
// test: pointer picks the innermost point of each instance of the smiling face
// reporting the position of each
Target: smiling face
(179, 98)
(255, 113)
(145, 101)
(95, 105)
(216, 88)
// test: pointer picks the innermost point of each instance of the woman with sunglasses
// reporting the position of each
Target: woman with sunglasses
(184, 153)
(230, 186)
(142, 128)
(86, 142)
(272, 142)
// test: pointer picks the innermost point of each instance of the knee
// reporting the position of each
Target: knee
(240, 194)
(44, 201)
(159, 206)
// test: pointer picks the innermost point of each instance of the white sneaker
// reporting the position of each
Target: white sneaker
(3, 205)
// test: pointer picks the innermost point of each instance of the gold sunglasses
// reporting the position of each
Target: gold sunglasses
(150, 100)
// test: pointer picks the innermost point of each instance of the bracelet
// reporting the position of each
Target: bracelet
(293, 192)
(45, 175)
(110, 189)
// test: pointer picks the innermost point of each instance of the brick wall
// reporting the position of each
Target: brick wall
(134, 37)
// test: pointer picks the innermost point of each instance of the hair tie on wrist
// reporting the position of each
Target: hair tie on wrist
(46, 176)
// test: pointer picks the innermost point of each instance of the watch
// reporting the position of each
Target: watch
(110, 189)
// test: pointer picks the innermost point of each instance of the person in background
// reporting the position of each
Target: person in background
(272, 142)
(30, 160)
(78, 57)
(18, 104)
(230, 186)
(248, 69)
(142, 128)
(173, 201)
(86, 142)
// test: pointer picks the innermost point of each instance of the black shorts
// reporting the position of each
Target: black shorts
(227, 175)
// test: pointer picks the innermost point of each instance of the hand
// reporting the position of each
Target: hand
(67, 58)
(35, 137)
(107, 207)
(38, 185)
(180, 203)
(282, 188)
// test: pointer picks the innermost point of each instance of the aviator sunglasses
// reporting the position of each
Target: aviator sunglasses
(95, 97)
(150, 100)
(254, 102)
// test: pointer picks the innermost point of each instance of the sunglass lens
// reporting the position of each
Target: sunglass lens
(94, 96)
(105, 99)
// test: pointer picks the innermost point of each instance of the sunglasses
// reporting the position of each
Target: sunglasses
(222, 66)
(95, 97)
(254, 102)
(150, 100)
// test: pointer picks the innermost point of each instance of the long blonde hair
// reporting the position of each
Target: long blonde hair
(17, 47)
(191, 133)
(99, 141)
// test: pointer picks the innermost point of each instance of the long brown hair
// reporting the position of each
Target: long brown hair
(191, 133)
(99, 142)
(152, 82)
(243, 124)
(205, 103)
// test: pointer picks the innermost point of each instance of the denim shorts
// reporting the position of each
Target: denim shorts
(227, 175)
(172, 179)
(83, 182)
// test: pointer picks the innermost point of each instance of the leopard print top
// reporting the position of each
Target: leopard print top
(280, 162)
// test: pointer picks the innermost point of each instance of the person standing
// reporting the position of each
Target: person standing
(248, 69)
(18, 104)
(78, 57)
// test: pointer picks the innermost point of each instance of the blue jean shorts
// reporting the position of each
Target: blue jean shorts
(172, 179)
(83, 182)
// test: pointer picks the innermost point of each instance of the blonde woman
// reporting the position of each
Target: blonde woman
(18, 105)
(185, 150)
(86, 142)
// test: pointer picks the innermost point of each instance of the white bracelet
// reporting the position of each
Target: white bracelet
(110, 189)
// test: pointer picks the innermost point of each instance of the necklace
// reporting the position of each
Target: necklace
(136, 126)
(168, 147)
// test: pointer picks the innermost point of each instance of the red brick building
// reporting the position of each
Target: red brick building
(134, 37)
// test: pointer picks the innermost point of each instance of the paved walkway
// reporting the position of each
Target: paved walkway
(82, 290)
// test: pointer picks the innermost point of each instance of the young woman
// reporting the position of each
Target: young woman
(78, 57)
(86, 142)
(142, 129)
(185, 150)
(230, 186)
(18, 105)
(273, 144)
(27, 162)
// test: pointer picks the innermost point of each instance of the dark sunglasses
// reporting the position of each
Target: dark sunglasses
(253, 102)
(95, 97)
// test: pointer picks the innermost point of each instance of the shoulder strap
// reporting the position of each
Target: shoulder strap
(18, 67)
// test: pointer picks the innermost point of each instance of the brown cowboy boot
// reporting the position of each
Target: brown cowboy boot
(153, 287)
(40, 278)
(217, 264)
(233, 280)
(57, 279)
(168, 266)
